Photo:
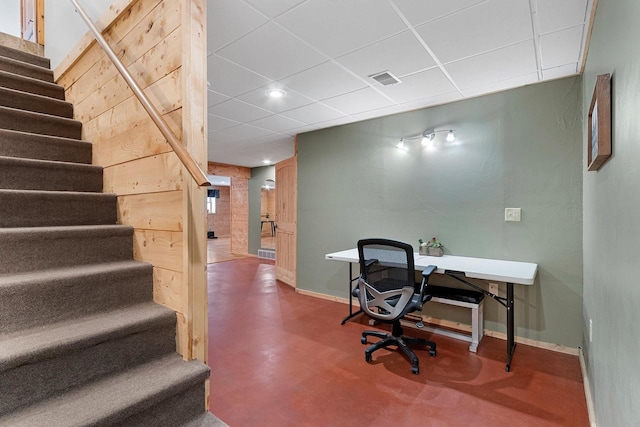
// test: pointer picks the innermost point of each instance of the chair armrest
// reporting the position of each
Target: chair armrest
(426, 273)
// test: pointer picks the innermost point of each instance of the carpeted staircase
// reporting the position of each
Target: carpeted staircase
(81, 340)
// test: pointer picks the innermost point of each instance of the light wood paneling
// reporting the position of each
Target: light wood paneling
(167, 289)
(152, 211)
(148, 175)
(163, 249)
(111, 102)
(232, 171)
(163, 45)
(240, 216)
(136, 140)
(137, 50)
(286, 218)
(159, 78)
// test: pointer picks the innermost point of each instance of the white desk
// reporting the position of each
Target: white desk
(461, 268)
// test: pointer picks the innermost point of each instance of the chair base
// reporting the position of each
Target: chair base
(402, 342)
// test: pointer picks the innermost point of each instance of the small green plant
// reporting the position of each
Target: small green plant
(433, 243)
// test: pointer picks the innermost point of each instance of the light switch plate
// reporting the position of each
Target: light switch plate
(512, 214)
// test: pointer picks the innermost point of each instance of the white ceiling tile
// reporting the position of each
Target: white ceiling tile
(335, 122)
(401, 54)
(221, 140)
(418, 86)
(259, 98)
(358, 101)
(273, 8)
(229, 79)
(239, 111)
(246, 131)
(324, 81)
(214, 98)
(478, 29)
(561, 71)
(250, 154)
(217, 123)
(501, 85)
(306, 128)
(336, 27)
(417, 12)
(380, 112)
(443, 98)
(555, 15)
(516, 60)
(561, 47)
(272, 52)
(313, 113)
(227, 20)
(277, 123)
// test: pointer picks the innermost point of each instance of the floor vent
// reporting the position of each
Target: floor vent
(267, 253)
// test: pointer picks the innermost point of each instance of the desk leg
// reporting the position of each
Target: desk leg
(511, 342)
(351, 313)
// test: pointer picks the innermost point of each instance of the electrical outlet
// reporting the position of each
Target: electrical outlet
(512, 214)
(590, 330)
(493, 288)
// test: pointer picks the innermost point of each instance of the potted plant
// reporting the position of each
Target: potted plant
(422, 248)
(432, 247)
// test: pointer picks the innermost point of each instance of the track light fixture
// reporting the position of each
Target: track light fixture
(428, 138)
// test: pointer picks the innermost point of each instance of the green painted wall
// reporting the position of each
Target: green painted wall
(612, 221)
(519, 148)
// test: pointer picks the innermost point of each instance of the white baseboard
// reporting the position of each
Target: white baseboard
(587, 389)
(459, 326)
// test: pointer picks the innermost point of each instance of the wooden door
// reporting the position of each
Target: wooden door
(286, 220)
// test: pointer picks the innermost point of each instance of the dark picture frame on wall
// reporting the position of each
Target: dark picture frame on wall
(599, 124)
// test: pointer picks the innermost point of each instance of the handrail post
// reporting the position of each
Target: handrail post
(187, 160)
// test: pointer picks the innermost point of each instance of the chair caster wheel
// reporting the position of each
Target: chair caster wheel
(363, 340)
(368, 358)
(415, 370)
(432, 353)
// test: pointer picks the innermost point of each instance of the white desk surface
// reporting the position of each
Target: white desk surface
(522, 273)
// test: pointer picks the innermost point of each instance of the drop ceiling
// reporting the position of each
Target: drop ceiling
(322, 52)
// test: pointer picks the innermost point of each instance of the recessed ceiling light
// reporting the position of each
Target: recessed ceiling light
(266, 162)
(276, 93)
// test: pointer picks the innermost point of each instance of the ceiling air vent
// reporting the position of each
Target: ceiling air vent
(385, 78)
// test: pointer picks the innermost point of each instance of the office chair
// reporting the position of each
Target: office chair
(387, 291)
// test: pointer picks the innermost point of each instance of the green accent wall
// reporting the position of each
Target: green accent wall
(520, 148)
(612, 221)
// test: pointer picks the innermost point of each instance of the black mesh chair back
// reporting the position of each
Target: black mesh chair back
(387, 276)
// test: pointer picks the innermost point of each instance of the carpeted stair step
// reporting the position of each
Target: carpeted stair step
(32, 208)
(27, 57)
(28, 300)
(126, 399)
(26, 101)
(43, 124)
(47, 175)
(25, 69)
(31, 85)
(43, 147)
(41, 248)
(38, 363)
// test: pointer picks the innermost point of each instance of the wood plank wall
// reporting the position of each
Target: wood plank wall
(155, 41)
(239, 194)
